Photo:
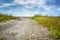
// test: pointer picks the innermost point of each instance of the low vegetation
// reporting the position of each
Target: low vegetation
(2, 38)
(5, 17)
(52, 23)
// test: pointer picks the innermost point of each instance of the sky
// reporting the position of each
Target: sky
(30, 7)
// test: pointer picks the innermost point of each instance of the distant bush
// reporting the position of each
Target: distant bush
(6, 17)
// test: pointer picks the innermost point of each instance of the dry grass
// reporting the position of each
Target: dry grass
(4, 17)
(52, 23)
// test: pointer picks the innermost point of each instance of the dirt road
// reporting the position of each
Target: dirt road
(23, 29)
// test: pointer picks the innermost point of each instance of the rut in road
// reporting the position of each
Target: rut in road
(23, 29)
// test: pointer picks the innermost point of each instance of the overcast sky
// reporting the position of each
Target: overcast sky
(30, 7)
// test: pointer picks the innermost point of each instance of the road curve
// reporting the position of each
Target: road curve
(23, 29)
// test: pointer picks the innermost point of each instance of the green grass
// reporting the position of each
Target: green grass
(2, 38)
(52, 23)
(5, 17)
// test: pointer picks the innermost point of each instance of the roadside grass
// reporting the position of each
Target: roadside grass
(5, 17)
(2, 38)
(52, 23)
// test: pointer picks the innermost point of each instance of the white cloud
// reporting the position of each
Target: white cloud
(33, 3)
(30, 4)
(30, 1)
(7, 5)
(48, 8)
(58, 9)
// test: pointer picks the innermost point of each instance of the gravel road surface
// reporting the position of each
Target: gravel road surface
(23, 29)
